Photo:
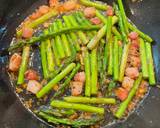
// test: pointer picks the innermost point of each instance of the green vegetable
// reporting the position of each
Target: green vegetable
(66, 82)
(44, 60)
(58, 42)
(94, 72)
(64, 39)
(94, 4)
(115, 60)
(55, 80)
(123, 106)
(95, 40)
(24, 64)
(143, 35)
(87, 66)
(74, 123)
(49, 53)
(92, 100)
(116, 32)
(81, 107)
(150, 64)
(39, 21)
(42, 37)
(123, 61)
(110, 60)
(143, 56)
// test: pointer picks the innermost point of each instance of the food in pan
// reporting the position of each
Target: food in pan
(92, 62)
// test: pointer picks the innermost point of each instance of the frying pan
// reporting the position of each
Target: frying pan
(144, 14)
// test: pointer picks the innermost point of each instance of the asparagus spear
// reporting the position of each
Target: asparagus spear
(75, 123)
(42, 37)
(123, 15)
(81, 35)
(143, 35)
(87, 66)
(66, 82)
(39, 21)
(49, 53)
(110, 60)
(150, 63)
(95, 40)
(123, 61)
(73, 35)
(106, 56)
(55, 80)
(94, 72)
(64, 39)
(44, 60)
(92, 100)
(82, 107)
(124, 104)
(116, 33)
(143, 58)
(24, 64)
(121, 25)
(58, 42)
(94, 4)
(115, 59)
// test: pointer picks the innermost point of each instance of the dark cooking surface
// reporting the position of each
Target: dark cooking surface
(146, 15)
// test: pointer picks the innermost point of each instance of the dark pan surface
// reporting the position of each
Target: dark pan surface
(146, 16)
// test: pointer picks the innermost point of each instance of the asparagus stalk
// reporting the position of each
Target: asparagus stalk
(94, 4)
(115, 59)
(121, 25)
(42, 37)
(64, 39)
(55, 80)
(95, 40)
(81, 107)
(150, 63)
(66, 82)
(44, 60)
(87, 66)
(49, 53)
(55, 51)
(74, 123)
(92, 100)
(58, 42)
(39, 21)
(81, 35)
(143, 58)
(94, 72)
(109, 27)
(124, 104)
(124, 61)
(73, 35)
(116, 33)
(143, 35)
(106, 57)
(72, 46)
(24, 64)
(123, 15)
(110, 60)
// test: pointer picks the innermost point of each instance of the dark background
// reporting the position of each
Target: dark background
(145, 14)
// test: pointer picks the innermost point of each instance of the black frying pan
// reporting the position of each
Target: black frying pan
(146, 16)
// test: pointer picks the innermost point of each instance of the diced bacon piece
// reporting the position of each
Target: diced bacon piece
(33, 86)
(127, 83)
(80, 76)
(70, 5)
(90, 12)
(31, 75)
(76, 88)
(15, 62)
(53, 3)
(95, 20)
(35, 15)
(27, 32)
(133, 35)
(110, 11)
(121, 93)
(43, 9)
(135, 61)
(132, 72)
